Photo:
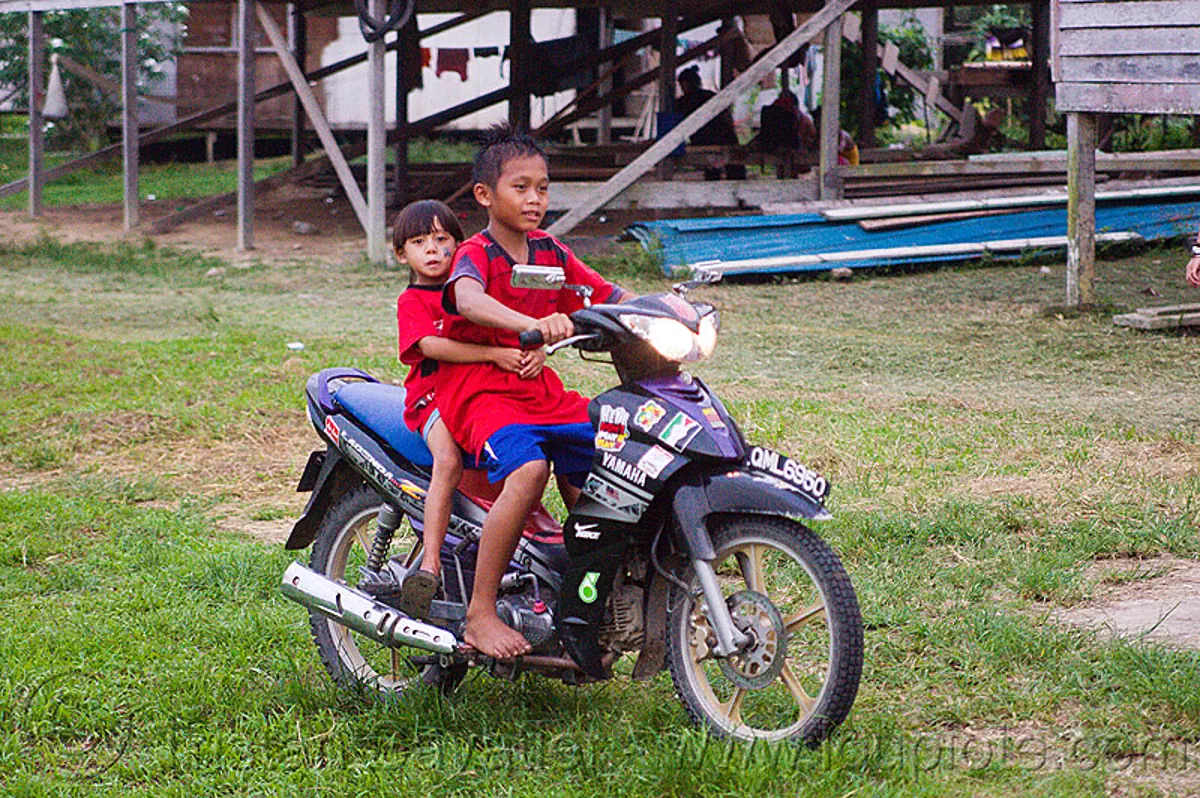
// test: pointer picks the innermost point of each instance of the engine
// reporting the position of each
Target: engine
(624, 626)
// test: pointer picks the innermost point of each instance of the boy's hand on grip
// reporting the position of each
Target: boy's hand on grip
(555, 327)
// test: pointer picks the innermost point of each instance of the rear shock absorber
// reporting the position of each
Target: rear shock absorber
(385, 529)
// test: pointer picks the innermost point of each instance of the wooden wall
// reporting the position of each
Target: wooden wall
(1135, 56)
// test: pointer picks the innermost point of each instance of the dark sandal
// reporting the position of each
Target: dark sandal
(417, 592)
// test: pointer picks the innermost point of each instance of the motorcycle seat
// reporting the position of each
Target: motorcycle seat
(381, 408)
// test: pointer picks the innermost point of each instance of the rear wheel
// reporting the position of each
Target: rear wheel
(343, 542)
(786, 589)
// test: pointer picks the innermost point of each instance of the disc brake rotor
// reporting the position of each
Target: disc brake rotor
(762, 662)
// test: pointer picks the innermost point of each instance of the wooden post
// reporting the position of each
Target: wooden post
(299, 24)
(1081, 209)
(37, 95)
(668, 61)
(870, 66)
(245, 125)
(404, 83)
(520, 58)
(1039, 87)
(829, 187)
(727, 51)
(605, 115)
(376, 147)
(701, 116)
(129, 113)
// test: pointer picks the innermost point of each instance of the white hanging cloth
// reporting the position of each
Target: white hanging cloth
(55, 106)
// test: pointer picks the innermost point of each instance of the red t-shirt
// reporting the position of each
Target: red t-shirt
(477, 399)
(419, 314)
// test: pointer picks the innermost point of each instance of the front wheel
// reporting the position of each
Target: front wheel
(788, 591)
(343, 542)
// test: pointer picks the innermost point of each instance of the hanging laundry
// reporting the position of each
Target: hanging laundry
(486, 52)
(426, 57)
(553, 56)
(55, 106)
(453, 59)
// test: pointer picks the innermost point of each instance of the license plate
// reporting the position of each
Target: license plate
(794, 473)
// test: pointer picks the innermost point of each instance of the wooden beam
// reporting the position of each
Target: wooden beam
(1039, 87)
(828, 182)
(1081, 209)
(1028, 163)
(315, 115)
(129, 114)
(37, 96)
(703, 115)
(405, 81)
(299, 25)
(604, 119)
(867, 78)
(245, 125)
(520, 50)
(376, 146)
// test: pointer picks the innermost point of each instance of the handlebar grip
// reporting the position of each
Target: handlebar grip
(531, 339)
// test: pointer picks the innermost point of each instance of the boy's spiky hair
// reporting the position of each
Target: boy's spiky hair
(501, 143)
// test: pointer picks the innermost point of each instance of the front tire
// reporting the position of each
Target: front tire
(788, 589)
(342, 544)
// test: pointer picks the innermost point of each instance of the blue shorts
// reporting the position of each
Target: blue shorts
(569, 447)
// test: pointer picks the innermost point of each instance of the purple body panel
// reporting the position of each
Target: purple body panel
(692, 397)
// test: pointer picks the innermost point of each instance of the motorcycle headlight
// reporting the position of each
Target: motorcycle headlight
(672, 339)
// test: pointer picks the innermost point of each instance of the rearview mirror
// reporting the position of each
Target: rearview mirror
(545, 278)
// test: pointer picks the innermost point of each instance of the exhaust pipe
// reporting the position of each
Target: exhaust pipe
(358, 611)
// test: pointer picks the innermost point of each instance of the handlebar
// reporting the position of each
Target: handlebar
(531, 339)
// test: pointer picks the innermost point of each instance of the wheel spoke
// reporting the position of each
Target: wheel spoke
(732, 708)
(750, 561)
(797, 690)
(361, 533)
(804, 616)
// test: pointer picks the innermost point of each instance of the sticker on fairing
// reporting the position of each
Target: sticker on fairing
(655, 460)
(679, 432)
(624, 469)
(331, 429)
(648, 415)
(587, 588)
(615, 498)
(614, 428)
(714, 418)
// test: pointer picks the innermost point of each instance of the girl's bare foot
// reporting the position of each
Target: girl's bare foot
(491, 636)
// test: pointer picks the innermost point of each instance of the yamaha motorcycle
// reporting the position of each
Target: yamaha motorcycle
(687, 547)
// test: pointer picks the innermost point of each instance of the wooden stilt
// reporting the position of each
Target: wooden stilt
(405, 81)
(37, 89)
(829, 182)
(129, 114)
(604, 118)
(520, 57)
(668, 60)
(1081, 209)
(1039, 87)
(299, 24)
(245, 125)
(376, 147)
(870, 66)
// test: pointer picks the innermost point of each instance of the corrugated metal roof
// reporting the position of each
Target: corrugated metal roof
(686, 242)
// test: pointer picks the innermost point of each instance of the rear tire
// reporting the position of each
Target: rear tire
(342, 544)
(788, 589)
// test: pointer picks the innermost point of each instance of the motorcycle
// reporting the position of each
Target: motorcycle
(687, 547)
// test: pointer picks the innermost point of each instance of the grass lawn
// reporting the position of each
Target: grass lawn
(989, 459)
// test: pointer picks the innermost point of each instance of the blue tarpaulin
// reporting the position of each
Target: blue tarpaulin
(686, 242)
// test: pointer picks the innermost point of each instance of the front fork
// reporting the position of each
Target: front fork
(730, 639)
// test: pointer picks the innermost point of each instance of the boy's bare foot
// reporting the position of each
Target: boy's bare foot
(491, 636)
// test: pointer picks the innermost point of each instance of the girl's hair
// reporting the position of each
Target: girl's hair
(416, 219)
(501, 144)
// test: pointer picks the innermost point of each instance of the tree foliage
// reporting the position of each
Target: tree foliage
(91, 37)
(900, 98)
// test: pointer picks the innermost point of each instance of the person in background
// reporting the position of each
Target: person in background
(719, 131)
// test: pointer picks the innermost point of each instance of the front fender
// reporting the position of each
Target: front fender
(745, 492)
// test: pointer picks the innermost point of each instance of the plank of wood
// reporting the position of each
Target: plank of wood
(901, 222)
(1165, 161)
(1169, 310)
(1128, 41)
(1131, 69)
(1157, 321)
(1138, 14)
(1128, 98)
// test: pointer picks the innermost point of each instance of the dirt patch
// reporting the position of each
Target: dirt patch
(1155, 599)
